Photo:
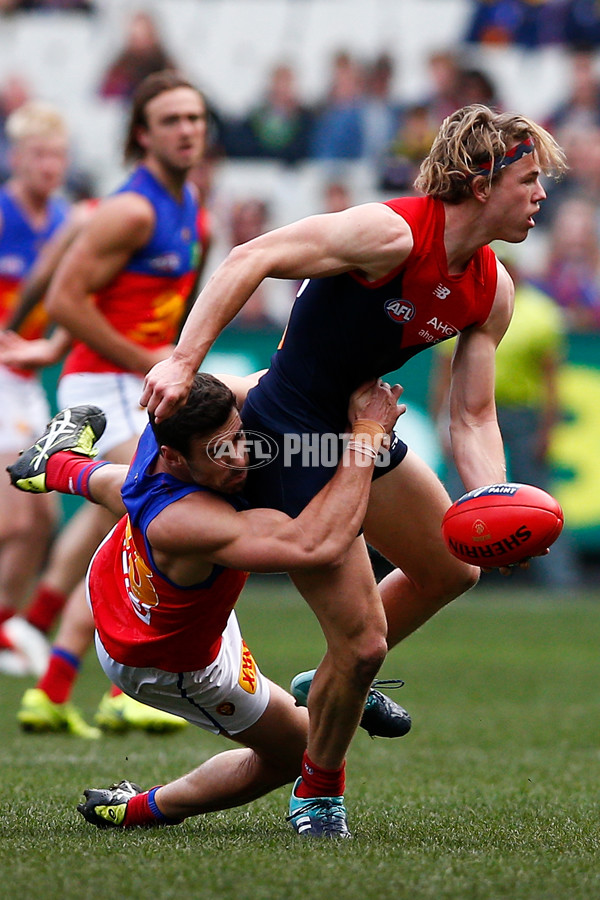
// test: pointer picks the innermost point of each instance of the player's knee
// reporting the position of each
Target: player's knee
(464, 579)
(367, 659)
(449, 584)
(454, 583)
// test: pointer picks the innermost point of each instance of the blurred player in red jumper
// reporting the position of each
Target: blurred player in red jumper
(121, 292)
(383, 281)
(30, 213)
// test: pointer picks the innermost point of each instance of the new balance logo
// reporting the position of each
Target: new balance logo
(441, 292)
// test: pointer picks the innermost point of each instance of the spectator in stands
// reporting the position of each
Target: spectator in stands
(476, 86)
(277, 127)
(381, 111)
(248, 219)
(410, 146)
(582, 180)
(443, 96)
(338, 131)
(526, 23)
(47, 5)
(572, 272)
(336, 197)
(581, 107)
(142, 54)
(581, 23)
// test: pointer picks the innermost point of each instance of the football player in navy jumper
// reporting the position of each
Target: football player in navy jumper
(382, 281)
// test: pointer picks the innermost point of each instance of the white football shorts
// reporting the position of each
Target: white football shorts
(118, 396)
(25, 411)
(229, 695)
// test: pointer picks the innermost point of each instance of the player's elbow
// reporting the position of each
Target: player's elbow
(239, 257)
(252, 260)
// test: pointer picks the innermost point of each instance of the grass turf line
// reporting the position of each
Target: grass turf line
(493, 794)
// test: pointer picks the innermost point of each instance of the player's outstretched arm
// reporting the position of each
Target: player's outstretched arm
(203, 527)
(370, 238)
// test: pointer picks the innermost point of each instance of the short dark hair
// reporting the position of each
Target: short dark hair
(207, 408)
(153, 85)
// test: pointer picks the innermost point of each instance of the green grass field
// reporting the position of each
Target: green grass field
(493, 794)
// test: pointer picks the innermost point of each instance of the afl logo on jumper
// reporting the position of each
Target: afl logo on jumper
(399, 310)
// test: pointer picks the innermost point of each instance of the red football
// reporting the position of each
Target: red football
(502, 524)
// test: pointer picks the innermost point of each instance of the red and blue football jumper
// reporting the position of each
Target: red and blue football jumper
(143, 618)
(146, 301)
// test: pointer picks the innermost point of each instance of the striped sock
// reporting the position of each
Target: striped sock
(69, 473)
(59, 678)
(142, 810)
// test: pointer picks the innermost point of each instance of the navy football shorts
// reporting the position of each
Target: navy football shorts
(287, 470)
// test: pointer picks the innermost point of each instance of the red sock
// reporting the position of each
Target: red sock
(5, 641)
(60, 675)
(69, 473)
(45, 607)
(7, 612)
(318, 782)
(139, 812)
(142, 810)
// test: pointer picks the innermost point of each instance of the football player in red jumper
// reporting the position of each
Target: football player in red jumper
(383, 281)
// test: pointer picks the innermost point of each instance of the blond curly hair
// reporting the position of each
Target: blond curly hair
(35, 119)
(474, 137)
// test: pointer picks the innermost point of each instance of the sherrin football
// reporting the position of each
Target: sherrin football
(501, 524)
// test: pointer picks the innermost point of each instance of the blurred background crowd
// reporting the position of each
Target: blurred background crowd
(316, 105)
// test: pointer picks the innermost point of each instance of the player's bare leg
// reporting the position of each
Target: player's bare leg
(66, 567)
(76, 629)
(403, 523)
(74, 547)
(270, 758)
(26, 527)
(347, 604)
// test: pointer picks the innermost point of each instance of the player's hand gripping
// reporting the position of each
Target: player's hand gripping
(377, 401)
(166, 387)
(522, 564)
